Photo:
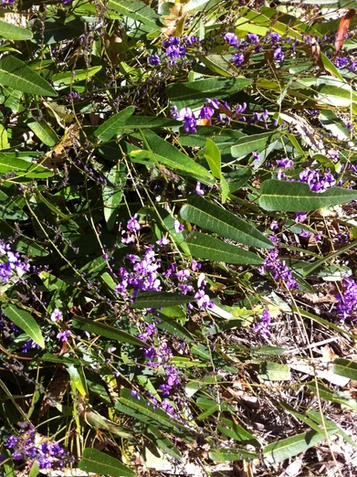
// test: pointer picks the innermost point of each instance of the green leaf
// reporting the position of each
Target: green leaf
(150, 122)
(25, 321)
(346, 368)
(10, 162)
(340, 397)
(110, 127)
(162, 152)
(4, 138)
(253, 143)
(274, 371)
(15, 73)
(231, 455)
(211, 217)
(329, 66)
(78, 380)
(328, 423)
(35, 470)
(210, 248)
(99, 422)
(162, 442)
(137, 11)
(70, 77)
(107, 331)
(297, 197)
(236, 432)
(9, 209)
(174, 328)
(44, 132)
(143, 411)
(113, 193)
(213, 157)
(193, 94)
(100, 463)
(159, 300)
(13, 32)
(279, 451)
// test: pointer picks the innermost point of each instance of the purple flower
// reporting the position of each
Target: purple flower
(173, 48)
(262, 327)
(63, 336)
(253, 38)
(199, 189)
(11, 442)
(274, 36)
(203, 300)
(206, 112)
(191, 40)
(178, 227)
(186, 115)
(300, 217)
(285, 163)
(278, 54)
(278, 270)
(231, 39)
(341, 62)
(163, 241)
(56, 315)
(214, 103)
(238, 59)
(316, 181)
(30, 344)
(133, 225)
(241, 108)
(347, 300)
(154, 60)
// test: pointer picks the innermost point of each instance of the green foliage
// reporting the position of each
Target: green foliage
(159, 296)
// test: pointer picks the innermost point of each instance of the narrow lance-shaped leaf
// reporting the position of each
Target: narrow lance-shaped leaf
(203, 213)
(255, 142)
(15, 73)
(194, 93)
(137, 11)
(297, 197)
(143, 411)
(13, 32)
(159, 300)
(111, 126)
(100, 463)
(106, 330)
(345, 367)
(70, 77)
(9, 209)
(25, 321)
(210, 248)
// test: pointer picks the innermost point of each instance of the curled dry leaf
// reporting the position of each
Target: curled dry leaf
(343, 29)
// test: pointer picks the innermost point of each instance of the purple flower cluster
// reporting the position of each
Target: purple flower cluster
(174, 49)
(132, 227)
(10, 264)
(318, 182)
(48, 455)
(279, 270)
(262, 327)
(243, 46)
(187, 116)
(154, 60)
(143, 277)
(347, 300)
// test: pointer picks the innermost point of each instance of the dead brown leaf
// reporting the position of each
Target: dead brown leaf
(343, 29)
